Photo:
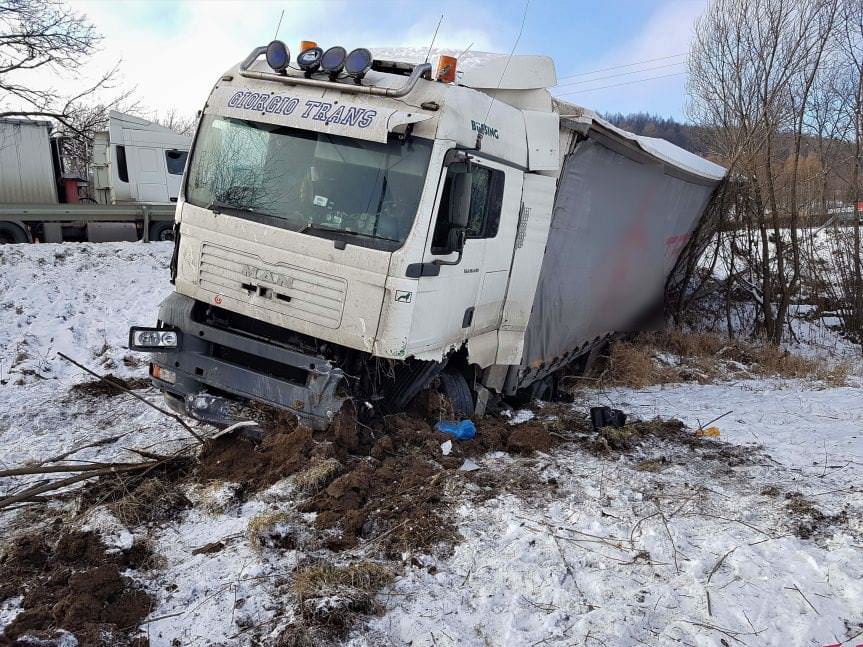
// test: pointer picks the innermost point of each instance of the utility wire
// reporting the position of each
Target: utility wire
(617, 85)
(612, 76)
(617, 67)
(509, 58)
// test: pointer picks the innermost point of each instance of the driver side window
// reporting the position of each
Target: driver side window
(486, 197)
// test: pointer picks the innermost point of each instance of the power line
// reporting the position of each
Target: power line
(509, 58)
(612, 76)
(617, 67)
(617, 85)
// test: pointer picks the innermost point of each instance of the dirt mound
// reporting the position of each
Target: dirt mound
(101, 388)
(283, 451)
(72, 584)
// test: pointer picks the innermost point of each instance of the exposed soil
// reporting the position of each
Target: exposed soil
(102, 388)
(807, 521)
(72, 584)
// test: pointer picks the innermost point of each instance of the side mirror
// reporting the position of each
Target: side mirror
(459, 199)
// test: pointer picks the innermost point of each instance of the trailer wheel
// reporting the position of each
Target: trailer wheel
(162, 231)
(11, 233)
(456, 389)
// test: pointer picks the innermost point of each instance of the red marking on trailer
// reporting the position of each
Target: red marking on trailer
(675, 244)
(217, 299)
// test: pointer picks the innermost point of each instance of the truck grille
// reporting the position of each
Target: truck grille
(285, 289)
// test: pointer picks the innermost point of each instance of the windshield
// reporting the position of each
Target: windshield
(362, 192)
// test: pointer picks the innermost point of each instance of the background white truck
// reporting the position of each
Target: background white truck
(132, 186)
(363, 230)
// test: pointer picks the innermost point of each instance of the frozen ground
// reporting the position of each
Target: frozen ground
(664, 544)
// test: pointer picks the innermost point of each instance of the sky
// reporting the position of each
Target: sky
(173, 52)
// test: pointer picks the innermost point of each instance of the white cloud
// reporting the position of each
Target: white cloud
(172, 54)
(667, 33)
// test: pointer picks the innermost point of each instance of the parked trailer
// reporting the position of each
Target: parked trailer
(364, 238)
(135, 174)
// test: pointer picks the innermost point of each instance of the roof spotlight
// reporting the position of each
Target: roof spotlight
(333, 61)
(358, 63)
(278, 56)
(309, 60)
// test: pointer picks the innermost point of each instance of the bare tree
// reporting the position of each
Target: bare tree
(757, 81)
(176, 121)
(48, 35)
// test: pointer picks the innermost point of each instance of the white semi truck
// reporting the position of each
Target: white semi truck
(130, 191)
(364, 227)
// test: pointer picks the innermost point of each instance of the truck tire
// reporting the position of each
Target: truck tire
(161, 231)
(13, 233)
(456, 389)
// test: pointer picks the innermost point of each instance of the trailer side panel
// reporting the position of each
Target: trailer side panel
(620, 220)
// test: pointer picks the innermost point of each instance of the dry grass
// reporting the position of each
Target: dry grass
(272, 530)
(319, 473)
(707, 357)
(331, 595)
(149, 499)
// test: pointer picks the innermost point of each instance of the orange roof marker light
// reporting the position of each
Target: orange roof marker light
(446, 69)
(307, 44)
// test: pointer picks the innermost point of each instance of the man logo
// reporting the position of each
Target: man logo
(402, 296)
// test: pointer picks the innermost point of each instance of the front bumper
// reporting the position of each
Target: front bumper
(216, 370)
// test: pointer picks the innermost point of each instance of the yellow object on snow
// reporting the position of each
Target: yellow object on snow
(710, 431)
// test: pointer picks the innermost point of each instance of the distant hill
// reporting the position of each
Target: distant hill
(644, 123)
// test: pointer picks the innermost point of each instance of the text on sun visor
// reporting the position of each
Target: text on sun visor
(313, 109)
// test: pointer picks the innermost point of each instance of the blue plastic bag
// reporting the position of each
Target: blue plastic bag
(461, 430)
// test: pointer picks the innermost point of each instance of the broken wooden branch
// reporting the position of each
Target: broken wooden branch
(71, 480)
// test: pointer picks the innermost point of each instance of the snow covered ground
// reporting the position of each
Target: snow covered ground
(753, 542)
(702, 551)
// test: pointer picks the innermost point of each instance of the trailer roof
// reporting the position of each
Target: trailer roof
(659, 148)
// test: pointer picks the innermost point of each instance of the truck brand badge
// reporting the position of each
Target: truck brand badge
(312, 109)
(403, 296)
(483, 129)
(269, 277)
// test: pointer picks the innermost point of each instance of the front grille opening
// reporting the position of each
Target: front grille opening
(283, 297)
(263, 365)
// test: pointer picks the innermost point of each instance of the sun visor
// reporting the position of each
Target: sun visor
(297, 109)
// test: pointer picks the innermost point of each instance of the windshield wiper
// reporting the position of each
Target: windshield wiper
(318, 228)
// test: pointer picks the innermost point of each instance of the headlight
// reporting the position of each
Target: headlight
(152, 338)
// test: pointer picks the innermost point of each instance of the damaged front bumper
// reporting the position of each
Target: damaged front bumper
(212, 373)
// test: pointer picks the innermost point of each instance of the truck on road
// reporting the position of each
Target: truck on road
(367, 226)
(130, 190)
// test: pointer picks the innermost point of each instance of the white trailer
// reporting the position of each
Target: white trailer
(136, 168)
(365, 229)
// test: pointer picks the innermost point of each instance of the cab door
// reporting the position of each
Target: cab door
(464, 297)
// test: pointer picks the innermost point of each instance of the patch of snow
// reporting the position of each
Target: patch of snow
(113, 534)
(520, 416)
(9, 610)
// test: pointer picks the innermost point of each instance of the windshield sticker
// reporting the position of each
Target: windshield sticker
(312, 109)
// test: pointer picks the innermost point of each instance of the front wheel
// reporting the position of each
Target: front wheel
(161, 231)
(456, 389)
